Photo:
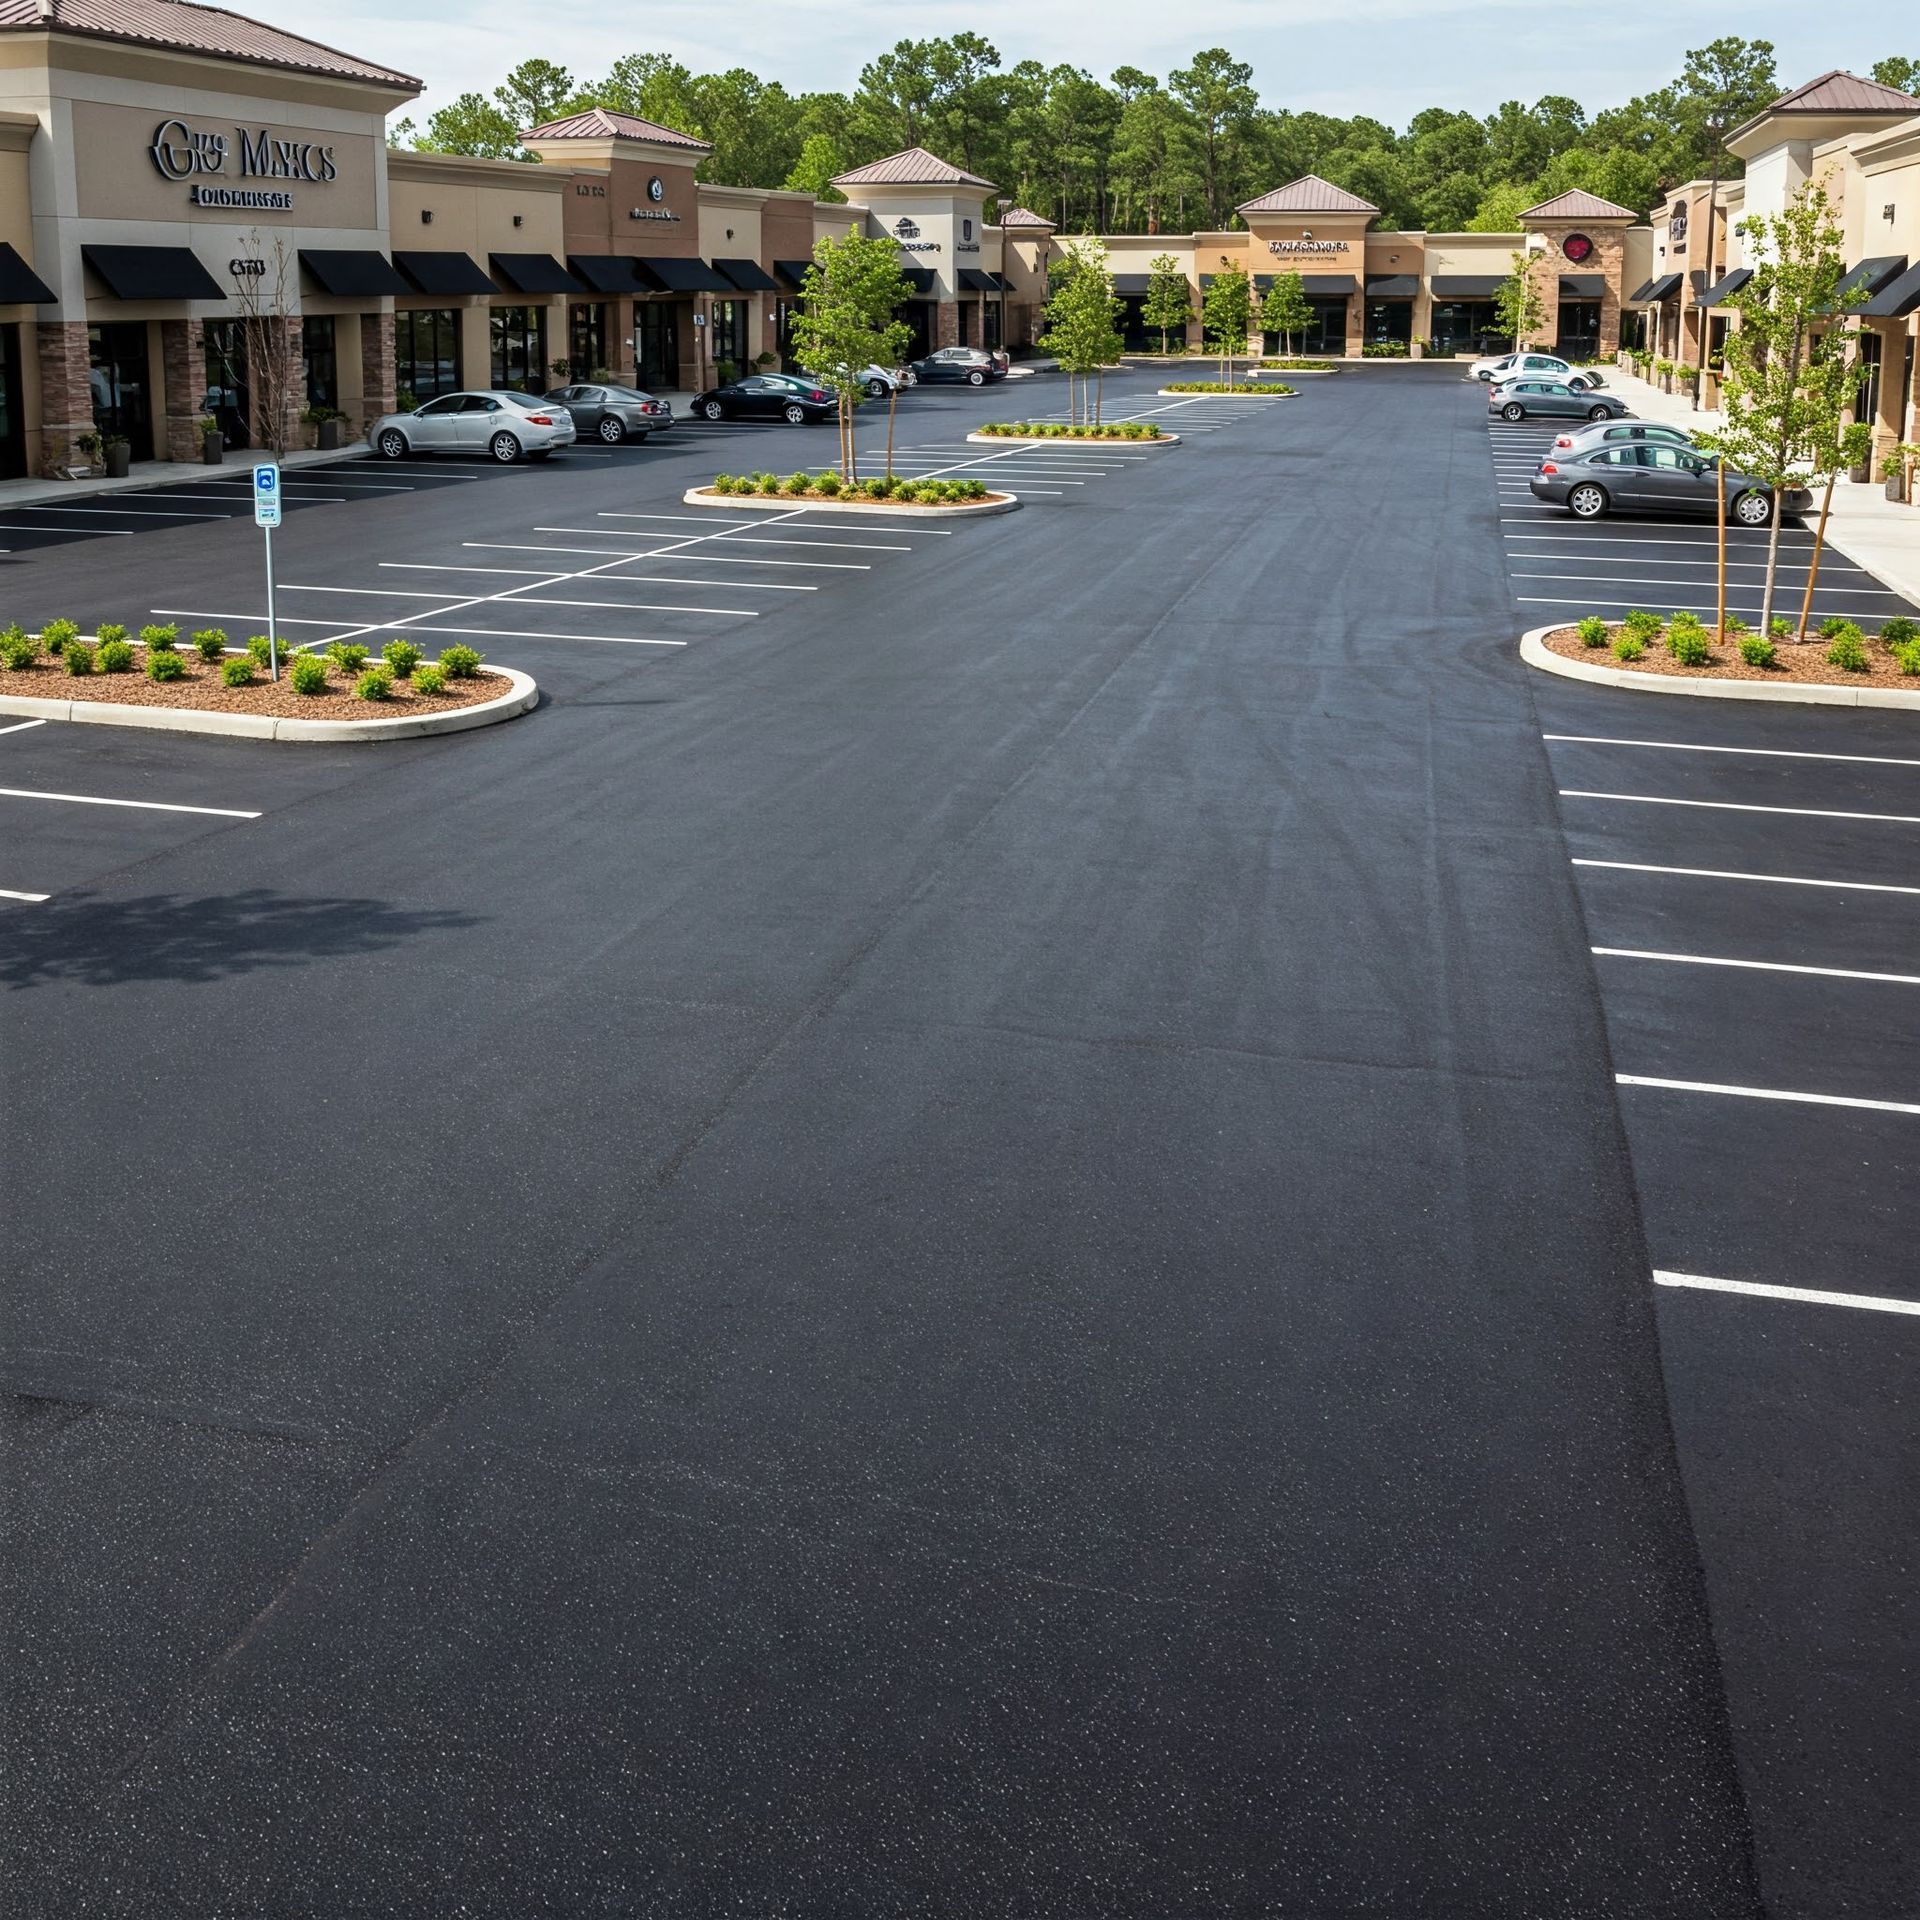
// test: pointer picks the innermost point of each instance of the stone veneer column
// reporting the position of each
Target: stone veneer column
(946, 324)
(184, 351)
(377, 376)
(66, 393)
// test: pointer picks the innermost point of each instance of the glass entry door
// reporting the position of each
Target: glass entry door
(658, 352)
(118, 375)
(228, 398)
(13, 439)
(1578, 337)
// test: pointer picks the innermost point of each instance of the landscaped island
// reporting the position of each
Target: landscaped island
(1839, 652)
(888, 489)
(1060, 430)
(1266, 389)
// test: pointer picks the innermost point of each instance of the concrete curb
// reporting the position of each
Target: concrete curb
(965, 510)
(1535, 652)
(1171, 393)
(1294, 373)
(522, 693)
(1061, 440)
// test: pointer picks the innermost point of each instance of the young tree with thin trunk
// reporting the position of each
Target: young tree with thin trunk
(1518, 303)
(1080, 333)
(1848, 448)
(1285, 310)
(846, 322)
(1169, 301)
(1786, 380)
(1226, 312)
(276, 369)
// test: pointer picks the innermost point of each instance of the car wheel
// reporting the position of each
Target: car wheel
(392, 444)
(1513, 410)
(504, 447)
(976, 378)
(1586, 501)
(1599, 413)
(712, 409)
(794, 414)
(877, 389)
(1753, 509)
(611, 430)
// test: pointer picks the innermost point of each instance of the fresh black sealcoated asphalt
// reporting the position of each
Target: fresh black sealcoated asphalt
(965, 1250)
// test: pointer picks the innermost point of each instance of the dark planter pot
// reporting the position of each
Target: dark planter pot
(1861, 474)
(118, 460)
(213, 448)
(329, 435)
(1896, 488)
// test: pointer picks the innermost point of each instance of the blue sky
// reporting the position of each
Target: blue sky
(1305, 53)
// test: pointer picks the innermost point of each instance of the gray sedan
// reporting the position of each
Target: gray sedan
(503, 425)
(613, 414)
(1602, 433)
(1653, 477)
(1552, 399)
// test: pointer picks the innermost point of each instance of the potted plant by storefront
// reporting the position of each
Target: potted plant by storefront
(119, 454)
(332, 428)
(213, 443)
(90, 445)
(1897, 468)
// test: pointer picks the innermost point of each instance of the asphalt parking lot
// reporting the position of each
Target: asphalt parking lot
(956, 1238)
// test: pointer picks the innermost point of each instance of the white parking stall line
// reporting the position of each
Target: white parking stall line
(756, 540)
(90, 533)
(1749, 606)
(1806, 1296)
(1770, 879)
(239, 502)
(632, 606)
(1765, 1093)
(1758, 753)
(1736, 806)
(376, 593)
(202, 613)
(144, 806)
(1795, 570)
(20, 726)
(514, 633)
(125, 511)
(652, 579)
(1758, 966)
(32, 899)
(655, 553)
(799, 524)
(1616, 580)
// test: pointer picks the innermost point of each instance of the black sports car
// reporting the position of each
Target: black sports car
(768, 396)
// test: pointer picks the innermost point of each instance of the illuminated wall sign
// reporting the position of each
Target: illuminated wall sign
(184, 152)
(650, 213)
(1307, 244)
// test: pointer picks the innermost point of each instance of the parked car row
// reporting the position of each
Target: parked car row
(799, 398)
(1645, 466)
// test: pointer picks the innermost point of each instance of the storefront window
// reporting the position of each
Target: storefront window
(729, 338)
(13, 450)
(1326, 332)
(1389, 320)
(323, 366)
(784, 314)
(586, 340)
(1578, 329)
(994, 329)
(227, 398)
(117, 373)
(426, 353)
(519, 337)
(1467, 326)
(659, 345)
(1867, 405)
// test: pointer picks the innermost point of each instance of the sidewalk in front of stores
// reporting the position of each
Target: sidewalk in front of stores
(162, 473)
(1879, 534)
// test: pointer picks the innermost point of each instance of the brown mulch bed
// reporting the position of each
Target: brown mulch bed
(201, 688)
(1804, 663)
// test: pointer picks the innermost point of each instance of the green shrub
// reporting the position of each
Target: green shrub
(237, 671)
(402, 656)
(348, 655)
(1690, 648)
(1592, 631)
(1629, 646)
(260, 650)
(77, 657)
(797, 483)
(164, 663)
(1781, 627)
(974, 489)
(723, 483)
(830, 485)
(1642, 624)
(768, 483)
(875, 489)
(1835, 624)
(115, 656)
(210, 643)
(308, 674)
(110, 632)
(1898, 631)
(375, 684)
(1756, 651)
(1733, 624)
(19, 649)
(461, 663)
(160, 639)
(1907, 656)
(56, 633)
(1848, 649)
(430, 680)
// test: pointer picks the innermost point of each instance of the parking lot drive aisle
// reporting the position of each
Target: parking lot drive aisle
(967, 1253)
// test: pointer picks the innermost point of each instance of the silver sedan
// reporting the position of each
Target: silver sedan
(498, 425)
(1655, 477)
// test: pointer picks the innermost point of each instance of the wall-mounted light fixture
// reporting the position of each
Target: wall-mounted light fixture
(519, 219)
(1886, 212)
(426, 216)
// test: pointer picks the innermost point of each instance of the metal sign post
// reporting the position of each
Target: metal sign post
(266, 516)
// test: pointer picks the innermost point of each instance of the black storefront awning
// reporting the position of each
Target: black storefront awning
(606, 273)
(920, 279)
(794, 272)
(1392, 286)
(1583, 286)
(19, 284)
(1001, 281)
(1871, 275)
(351, 273)
(533, 273)
(677, 275)
(1697, 280)
(749, 276)
(1131, 285)
(1468, 286)
(1656, 290)
(153, 273)
(1896, 299)
(1324, 286)
(977, 280)
(1724, 289)
(444, 273)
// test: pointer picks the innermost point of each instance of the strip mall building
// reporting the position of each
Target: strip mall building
(183, 190)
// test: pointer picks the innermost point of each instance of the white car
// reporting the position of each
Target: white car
(498, 425)
(1501, 367)
(879, 381)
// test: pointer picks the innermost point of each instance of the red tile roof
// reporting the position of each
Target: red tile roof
(1843, 92)
(1309, 194)
(911, 167)
(1579, 204)
(181, 27)
(604, 123)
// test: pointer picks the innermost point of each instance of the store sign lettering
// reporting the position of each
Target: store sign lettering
(183, 152)
(1306, 244)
